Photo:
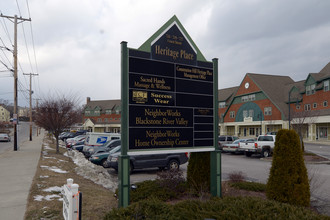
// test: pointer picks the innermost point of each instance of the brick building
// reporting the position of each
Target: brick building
(102, 115)
(260, 104)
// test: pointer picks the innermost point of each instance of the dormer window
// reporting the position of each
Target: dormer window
(310, 89)
(222, 104)
(326, 86)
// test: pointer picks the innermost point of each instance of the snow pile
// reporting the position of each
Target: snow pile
(93, 172)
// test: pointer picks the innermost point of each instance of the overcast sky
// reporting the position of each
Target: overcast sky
(77, 42)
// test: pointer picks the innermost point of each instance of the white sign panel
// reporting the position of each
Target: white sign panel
(70, 200)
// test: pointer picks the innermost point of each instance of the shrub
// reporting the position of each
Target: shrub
(236, 176)
(198, 171)
(288, 180)
(226, 208)
(172, 180)
(250, 186)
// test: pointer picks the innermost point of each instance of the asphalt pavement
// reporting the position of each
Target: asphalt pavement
(17, 170)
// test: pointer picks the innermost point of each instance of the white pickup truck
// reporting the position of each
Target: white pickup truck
(263, 146)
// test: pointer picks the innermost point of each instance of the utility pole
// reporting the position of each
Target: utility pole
(14, 19)
(37, 100)
(31, 74)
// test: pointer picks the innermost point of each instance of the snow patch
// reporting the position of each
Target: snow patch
(44, 176)
(93, 172)
(48, 197)
(46, 147)
(54, 169)
(50, 157)
(53, 189)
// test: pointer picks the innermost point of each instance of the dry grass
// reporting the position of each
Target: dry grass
(97, 200)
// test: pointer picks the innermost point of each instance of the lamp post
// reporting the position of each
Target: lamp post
(290, 109)
(260, 116)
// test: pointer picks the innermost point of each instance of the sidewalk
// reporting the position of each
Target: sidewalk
(17, 169)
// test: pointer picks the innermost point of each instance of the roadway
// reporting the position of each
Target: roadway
(23, 134)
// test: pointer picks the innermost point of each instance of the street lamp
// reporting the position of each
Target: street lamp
(260, 116)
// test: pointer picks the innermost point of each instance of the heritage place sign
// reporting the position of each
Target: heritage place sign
(169, 100)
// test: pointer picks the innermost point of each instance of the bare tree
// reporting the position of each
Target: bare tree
(300, 121)
(56, 114)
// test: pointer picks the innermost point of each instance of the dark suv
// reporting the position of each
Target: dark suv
(162, 161)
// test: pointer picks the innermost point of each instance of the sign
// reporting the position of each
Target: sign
(170, 96)
(71, 201)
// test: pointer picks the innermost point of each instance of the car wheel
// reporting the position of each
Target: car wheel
(173, 165)
(248, 154)
(265, 153)
(104, 163)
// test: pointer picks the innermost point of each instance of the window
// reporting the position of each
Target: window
(268, 110)
(326, 86)
(308, 90)
(105, 120)
(251, 113)
(252, 131)
(222, 104)
(232, 114)
(97, 111)
(229, 139)
(247, 98)
(117, 112)
(245, 113)
(314, 105)
(108, 111)
(325, 104)
(313, 88)
(99, 120)
(297, 106)
(307, 107)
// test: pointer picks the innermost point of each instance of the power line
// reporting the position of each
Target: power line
(34, 51)
(6, 29)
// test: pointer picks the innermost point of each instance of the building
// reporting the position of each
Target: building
(102, 115)
(260, 104)
(4, 114)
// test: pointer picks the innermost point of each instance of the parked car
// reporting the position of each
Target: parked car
(100, 158)
(4, 137)
(225, 139)
(72, 141)
(78, 147)
(73, 134)
(264, 146)
(162, 161)
(89, 150)
(234, 147)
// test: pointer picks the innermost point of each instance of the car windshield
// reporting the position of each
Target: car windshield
(116, 149)
(237, 141)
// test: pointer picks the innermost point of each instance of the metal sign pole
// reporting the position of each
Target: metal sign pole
(123, 159)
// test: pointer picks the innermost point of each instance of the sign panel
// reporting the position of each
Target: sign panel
(170, 96)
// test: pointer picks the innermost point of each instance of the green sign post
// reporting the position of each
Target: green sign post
(169, 102)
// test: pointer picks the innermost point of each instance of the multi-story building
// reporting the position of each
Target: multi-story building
(4, 114)
(265, 103)
(102, 115)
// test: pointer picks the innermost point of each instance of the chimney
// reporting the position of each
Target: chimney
(88, 100)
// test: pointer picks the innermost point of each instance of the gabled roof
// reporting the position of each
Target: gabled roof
(275, 87)
(174, 20)
(226, 95)
(104, 104)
